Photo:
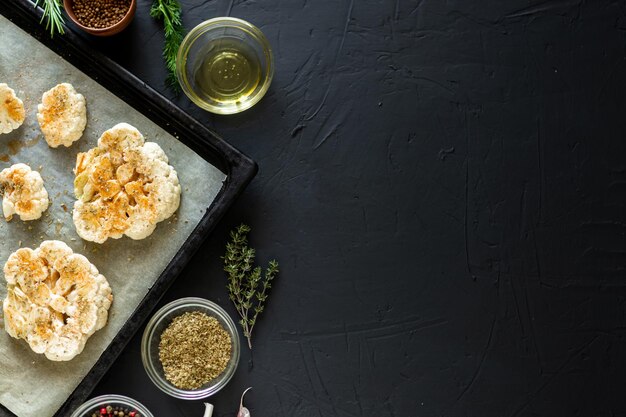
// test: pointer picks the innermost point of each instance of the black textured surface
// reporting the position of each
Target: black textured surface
(239, 170)
(444, 185)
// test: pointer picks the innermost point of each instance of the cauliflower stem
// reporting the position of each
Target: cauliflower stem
(124, 186)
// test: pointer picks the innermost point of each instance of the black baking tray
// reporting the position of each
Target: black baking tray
(239, 169)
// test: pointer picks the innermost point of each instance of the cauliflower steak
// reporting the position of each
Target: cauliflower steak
(62, 115)
(124, 186)
(23, 193)
(12, 112)
(56, 299)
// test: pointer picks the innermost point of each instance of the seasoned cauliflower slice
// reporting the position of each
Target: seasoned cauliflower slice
(125, 186)
(56, 299)
(23, 193)
(62, 115)
(12, 112)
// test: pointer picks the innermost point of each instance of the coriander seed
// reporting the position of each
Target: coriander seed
(100, 14)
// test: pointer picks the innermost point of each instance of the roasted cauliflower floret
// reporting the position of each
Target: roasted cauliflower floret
(62, 115)
(12, 112)
(125, 186)
(23, 193)
(56, 299)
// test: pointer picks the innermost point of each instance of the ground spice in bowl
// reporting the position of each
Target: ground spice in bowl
(194, 349)
(100, 14)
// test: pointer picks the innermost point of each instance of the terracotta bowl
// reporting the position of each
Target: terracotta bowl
(111, 30)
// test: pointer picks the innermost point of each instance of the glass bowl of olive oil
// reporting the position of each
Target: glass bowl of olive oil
(225, 65)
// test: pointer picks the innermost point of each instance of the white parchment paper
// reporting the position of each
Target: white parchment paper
(31, 385)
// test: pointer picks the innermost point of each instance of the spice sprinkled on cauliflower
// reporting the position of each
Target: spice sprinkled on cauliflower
(62, 115)
(12, 112)
(55, 299)
(23, 193)
(124, 186)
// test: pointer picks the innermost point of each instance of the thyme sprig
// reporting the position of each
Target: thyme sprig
(170, 12)
(52, 15)
(247, 284)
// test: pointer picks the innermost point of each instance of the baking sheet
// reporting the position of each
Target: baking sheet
(30, 385)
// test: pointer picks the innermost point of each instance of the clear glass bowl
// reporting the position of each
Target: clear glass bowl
(152, 336)
(95, 404)
(205, 39)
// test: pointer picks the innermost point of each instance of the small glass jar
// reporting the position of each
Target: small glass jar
(96, 404)
(225, 65)
(152, 336)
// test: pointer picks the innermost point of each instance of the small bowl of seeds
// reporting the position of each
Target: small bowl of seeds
(190, 348)
(112, 406)
(101, 17)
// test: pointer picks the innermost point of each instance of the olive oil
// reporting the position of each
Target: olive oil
(229, 72)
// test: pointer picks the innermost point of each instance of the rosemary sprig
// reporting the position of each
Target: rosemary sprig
(170, 12)
(52, 15)
(247, 285)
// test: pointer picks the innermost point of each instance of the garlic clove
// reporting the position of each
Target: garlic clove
(208, 412)
(243, 411)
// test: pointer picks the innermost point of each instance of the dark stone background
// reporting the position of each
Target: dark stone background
(444, 185)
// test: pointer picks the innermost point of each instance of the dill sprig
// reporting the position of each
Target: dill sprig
(247, 284)
(52, 15)
(170, 12)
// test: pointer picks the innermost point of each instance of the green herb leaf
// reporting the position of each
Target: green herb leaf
(52, 15)
(244, 278)
(170, 13)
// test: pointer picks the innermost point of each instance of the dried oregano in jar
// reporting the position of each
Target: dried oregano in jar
(100, 14)
(194, 349)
